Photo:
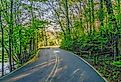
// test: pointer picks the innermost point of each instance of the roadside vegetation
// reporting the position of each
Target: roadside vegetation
(19, 35)
(93, 31)
(89, 28)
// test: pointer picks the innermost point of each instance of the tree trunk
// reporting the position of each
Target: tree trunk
(2, 43)
(67, 19)
(112, 19)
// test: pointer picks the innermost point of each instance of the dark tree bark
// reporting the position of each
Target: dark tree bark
(112, 19)
(67, 18)
(2, 43)
(10, 35)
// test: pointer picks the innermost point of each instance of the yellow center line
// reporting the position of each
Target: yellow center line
(54, 67)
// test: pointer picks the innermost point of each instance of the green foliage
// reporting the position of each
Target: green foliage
(117, 63)
(67, 44)
(86, 26)
(95, 29)
(19, 36)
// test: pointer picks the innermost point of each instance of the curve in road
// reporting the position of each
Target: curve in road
(55, 65)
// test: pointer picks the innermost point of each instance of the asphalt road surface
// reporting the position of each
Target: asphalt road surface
(55, 65)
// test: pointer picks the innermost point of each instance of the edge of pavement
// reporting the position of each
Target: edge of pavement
(89, 65)
(34, 58)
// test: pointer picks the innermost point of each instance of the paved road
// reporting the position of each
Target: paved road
(55, 65)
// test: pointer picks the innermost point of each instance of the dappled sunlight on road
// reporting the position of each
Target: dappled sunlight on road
(55, 65)
(18, 77)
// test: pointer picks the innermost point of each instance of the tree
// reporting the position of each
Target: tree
(2, 43)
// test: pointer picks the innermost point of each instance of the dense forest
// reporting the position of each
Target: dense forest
(89, 28)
